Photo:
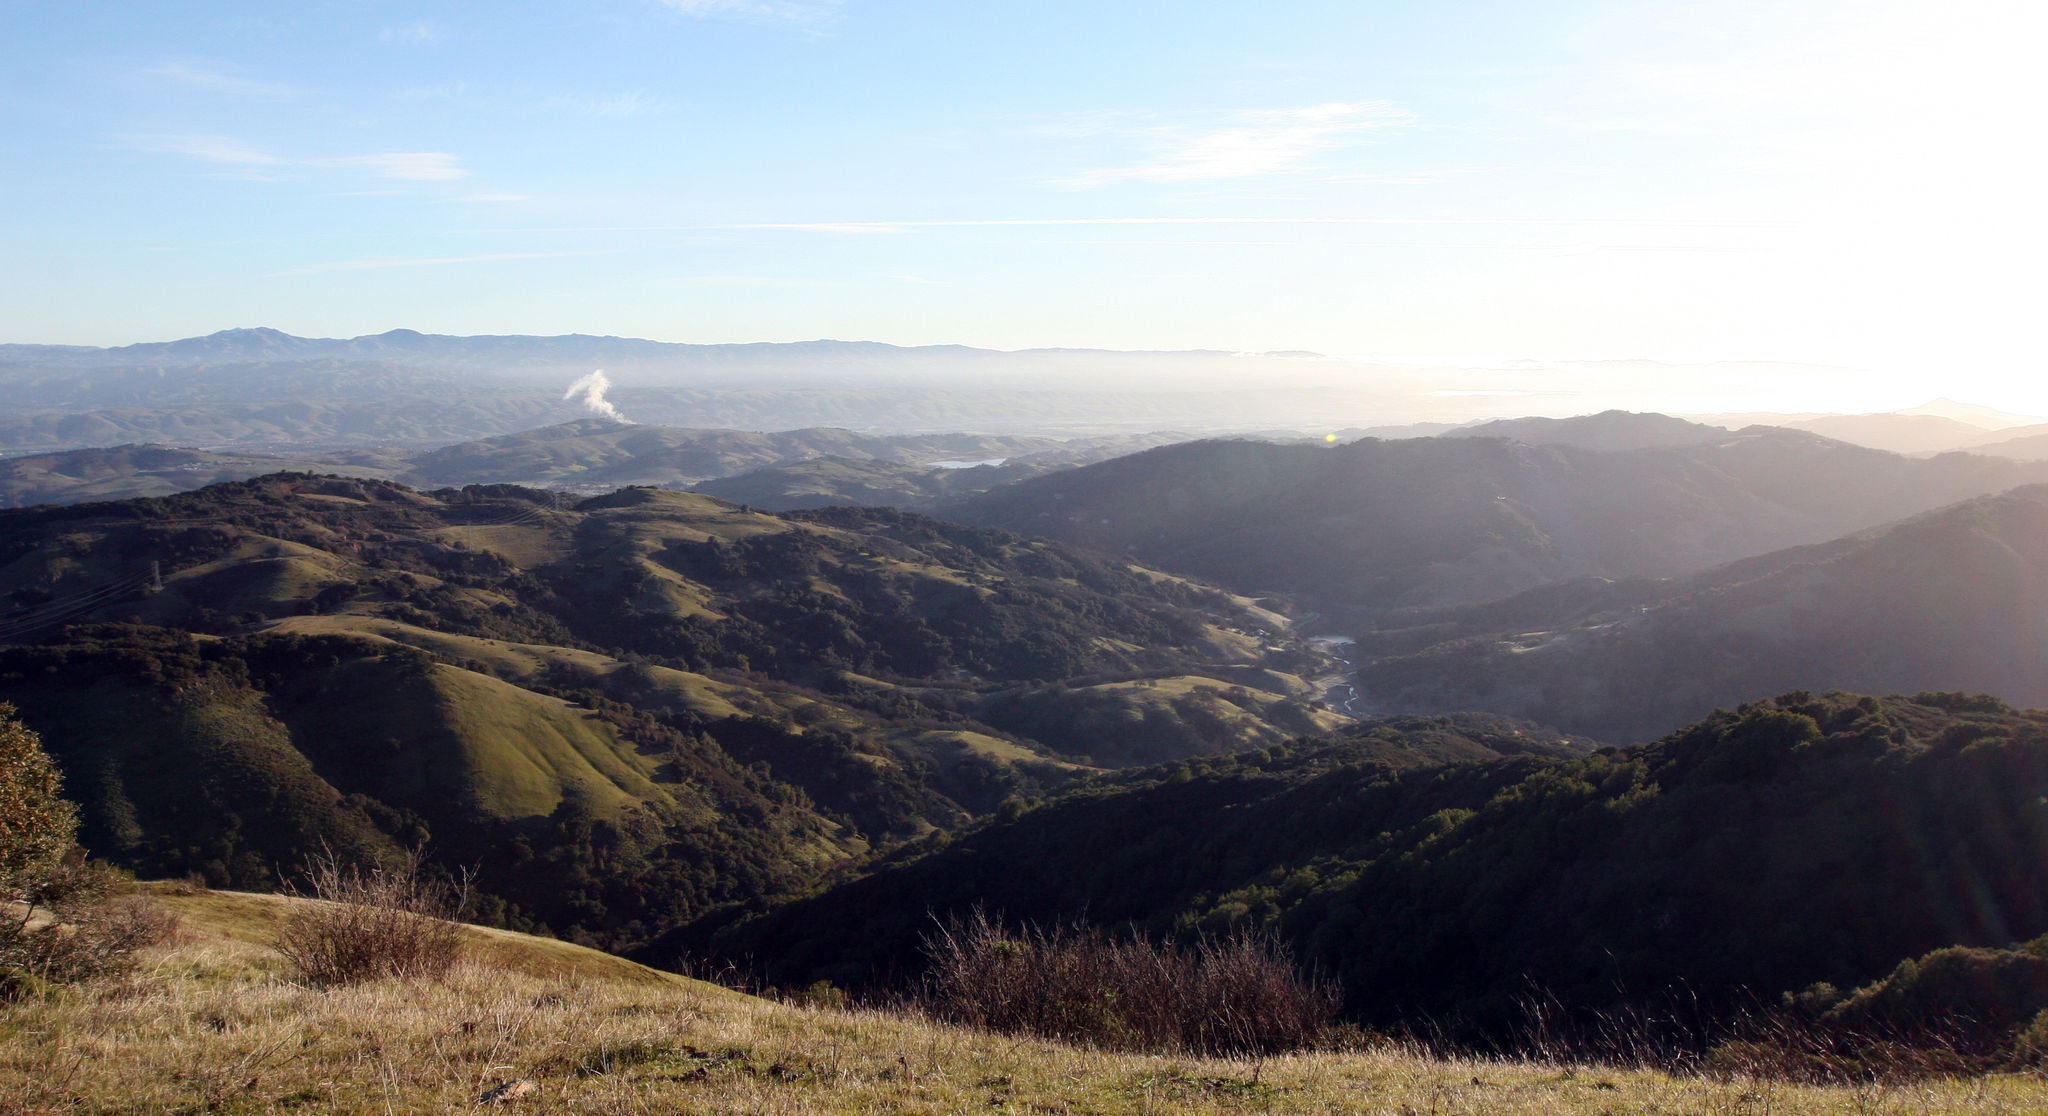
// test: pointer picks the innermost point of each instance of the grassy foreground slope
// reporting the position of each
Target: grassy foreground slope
(212, 1025)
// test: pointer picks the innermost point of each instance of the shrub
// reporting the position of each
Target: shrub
(36, 822)
(62, 918)
(75, 920)
(370, 923)
(1235, 995)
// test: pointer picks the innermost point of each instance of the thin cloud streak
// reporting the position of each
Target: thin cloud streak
(214, 81)
(622, 104)
(872, 228)
(776, 11)
(427, 261)
(418, 32)
(1250, 145)
(413, 166)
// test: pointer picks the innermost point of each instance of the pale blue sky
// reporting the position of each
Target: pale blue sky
(1807, 180)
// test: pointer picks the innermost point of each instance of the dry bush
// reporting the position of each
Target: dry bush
(369, 923)
(72, 920)
(1238, 995)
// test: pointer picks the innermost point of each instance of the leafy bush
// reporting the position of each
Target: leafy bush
(76, 920)
(1236, 995)
(371, 923)
(62, 918)
(36, 823)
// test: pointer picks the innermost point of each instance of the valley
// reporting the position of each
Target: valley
(1448, 715)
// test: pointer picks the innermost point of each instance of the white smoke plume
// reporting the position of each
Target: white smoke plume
(592, 389)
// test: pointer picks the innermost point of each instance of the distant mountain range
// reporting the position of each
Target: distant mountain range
(264, 390)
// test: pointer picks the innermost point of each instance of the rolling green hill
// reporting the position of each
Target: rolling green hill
(631, 711)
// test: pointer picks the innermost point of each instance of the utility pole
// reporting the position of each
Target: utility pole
(156, 577)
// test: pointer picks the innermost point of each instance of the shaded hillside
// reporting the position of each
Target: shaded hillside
(2029, 443)
(1902, 433)
(1377, 525)
(1953, 599)
(1792, 841)
(129, 471)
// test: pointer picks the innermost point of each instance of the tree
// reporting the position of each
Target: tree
(36, 823)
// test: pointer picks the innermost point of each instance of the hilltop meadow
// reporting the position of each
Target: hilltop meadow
(212, 1022)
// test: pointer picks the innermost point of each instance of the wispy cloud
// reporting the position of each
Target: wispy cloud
(883, 227)
(445, 92)
(620, 104)
(254, 162)
(413, 166)
(425, 261)
(772, 11)
(880, 228)
(418, 32)
(497, 198)
(1246, 145)
(214, 80)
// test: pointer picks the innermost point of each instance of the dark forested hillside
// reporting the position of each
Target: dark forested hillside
(1761, 850)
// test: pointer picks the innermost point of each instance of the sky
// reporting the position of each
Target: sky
(1852, 184)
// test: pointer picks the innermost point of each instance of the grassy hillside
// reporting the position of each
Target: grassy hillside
(209, 1025)
(1122, 724)
(234, 758)
(634, 712)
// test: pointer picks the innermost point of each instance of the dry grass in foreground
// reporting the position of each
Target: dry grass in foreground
(209, 1024)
